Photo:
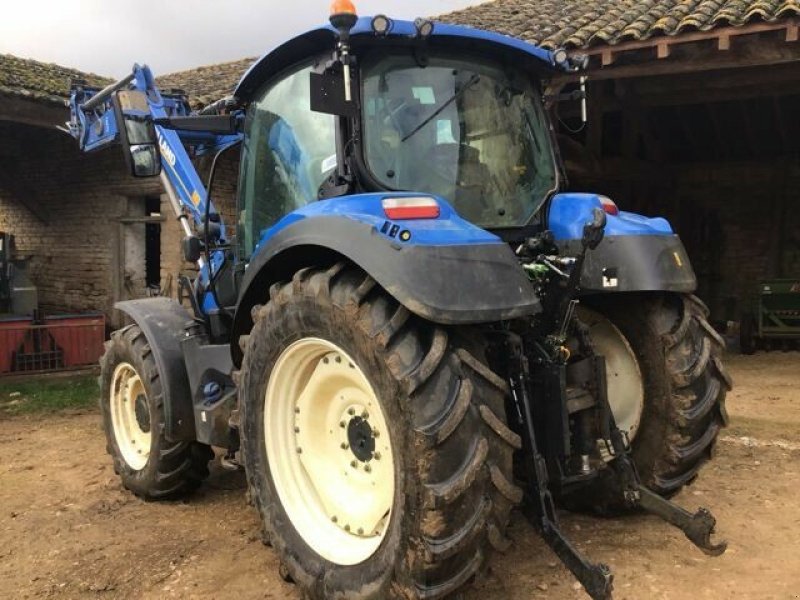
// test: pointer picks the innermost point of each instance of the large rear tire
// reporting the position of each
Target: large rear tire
(678, 354)
(446, 452)
(132, 406)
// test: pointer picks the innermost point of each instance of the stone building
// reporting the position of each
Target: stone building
(93, 234)
(694, 114)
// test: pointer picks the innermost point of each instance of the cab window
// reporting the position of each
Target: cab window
(286, 155)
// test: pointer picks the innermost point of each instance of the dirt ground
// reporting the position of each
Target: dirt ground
(68, 529)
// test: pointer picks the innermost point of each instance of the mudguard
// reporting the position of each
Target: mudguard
(445, 270)
(163, 322)
(637, 254)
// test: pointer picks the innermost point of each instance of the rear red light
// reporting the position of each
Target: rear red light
(608, 205)
(410, 207)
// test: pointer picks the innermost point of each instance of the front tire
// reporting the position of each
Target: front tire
(684, 384)
(132, 407)
(446, 437)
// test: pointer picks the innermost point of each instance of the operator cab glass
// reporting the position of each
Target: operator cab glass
(287, 153)
(466, 129)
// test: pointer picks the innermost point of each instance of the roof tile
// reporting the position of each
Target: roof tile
(44, 82)
(550, 23)
(206, 84)
(584, 23)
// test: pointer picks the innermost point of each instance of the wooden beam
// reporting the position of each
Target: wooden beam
(607, 57)
(713, 96)
(594, 125)
(31, 112)
(724, 42)
(685, 38)
(681, 97)
(693, 59)
(662, 50)
(691, 83)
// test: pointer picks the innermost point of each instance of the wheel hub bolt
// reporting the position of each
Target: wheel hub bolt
(342, 424)
(299, 450)
(334, 518)
(351, 411)
(354, 464)
(360, 531)
(347, 527)
(344, 446)
(365, 415)
(297, 430)
(377, 456)
(367, 468)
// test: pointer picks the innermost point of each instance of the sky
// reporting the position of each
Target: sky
(107, 36)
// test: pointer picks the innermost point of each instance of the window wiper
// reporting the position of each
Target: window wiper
(472, 80)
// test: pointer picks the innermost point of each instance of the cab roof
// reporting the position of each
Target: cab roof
(316, 41)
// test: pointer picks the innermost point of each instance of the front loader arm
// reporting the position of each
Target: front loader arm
(95, 124)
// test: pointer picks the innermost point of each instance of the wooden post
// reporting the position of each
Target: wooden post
(792, 33)
(594, 126)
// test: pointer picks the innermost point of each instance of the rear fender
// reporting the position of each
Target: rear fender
(445, 270)
(637, 254)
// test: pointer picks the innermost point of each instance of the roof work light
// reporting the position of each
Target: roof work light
(343, 15)
(424, 27)
(381, 24)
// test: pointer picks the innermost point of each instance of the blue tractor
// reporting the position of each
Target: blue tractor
(412, 330)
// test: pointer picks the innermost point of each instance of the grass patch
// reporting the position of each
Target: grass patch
(48, 394)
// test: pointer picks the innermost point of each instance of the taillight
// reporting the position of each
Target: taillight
(608, 205)
(410, 207)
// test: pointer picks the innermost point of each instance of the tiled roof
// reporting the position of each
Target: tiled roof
(207, 84)
(45, 82)
(585, 23)
(551, 23)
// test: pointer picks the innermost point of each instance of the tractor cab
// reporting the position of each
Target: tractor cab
(398, 106)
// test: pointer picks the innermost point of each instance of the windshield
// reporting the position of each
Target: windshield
(464, 129)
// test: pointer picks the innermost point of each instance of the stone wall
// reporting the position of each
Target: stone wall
(79, 217)
(70, 213)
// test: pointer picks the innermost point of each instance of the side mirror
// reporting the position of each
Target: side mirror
(137, 133)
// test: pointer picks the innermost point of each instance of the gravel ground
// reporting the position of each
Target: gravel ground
(68, 529)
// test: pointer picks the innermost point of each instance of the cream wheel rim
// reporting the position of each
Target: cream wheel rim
(625, 386)
(130, 416)
(329, 451)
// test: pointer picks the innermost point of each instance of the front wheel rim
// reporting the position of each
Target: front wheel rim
(329, 451)
(130, 416)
